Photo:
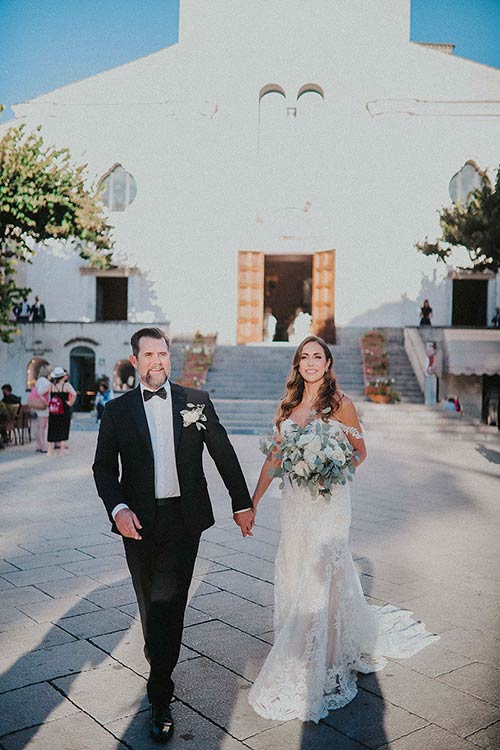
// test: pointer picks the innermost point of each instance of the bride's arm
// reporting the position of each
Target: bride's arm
(273, 461)
(348, 416)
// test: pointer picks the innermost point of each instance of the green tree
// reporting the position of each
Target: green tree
(43, 197)
(474, 225)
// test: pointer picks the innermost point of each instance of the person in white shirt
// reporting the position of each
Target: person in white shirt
(42, 385)
(148, 471)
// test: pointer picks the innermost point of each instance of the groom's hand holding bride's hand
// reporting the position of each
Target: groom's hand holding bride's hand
(128, 524)
(245, 521)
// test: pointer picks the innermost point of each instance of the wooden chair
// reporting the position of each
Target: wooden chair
(8, 424)
(22, 424)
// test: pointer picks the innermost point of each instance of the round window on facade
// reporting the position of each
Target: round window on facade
(464, 182)
(120, 188)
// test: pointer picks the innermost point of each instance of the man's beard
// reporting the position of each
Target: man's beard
(156, 379)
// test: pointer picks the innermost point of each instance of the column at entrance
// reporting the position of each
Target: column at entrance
(323, 295)
(250, 297)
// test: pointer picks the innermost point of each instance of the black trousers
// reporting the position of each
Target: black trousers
(161, 569)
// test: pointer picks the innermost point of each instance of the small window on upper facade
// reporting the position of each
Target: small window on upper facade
(120, 188)
(464, 182)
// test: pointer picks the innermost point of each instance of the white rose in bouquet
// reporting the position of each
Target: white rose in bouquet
(302, 469)
(339, 455)
(315, 456)
(328, 452)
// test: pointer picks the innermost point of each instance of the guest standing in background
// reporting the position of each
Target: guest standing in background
(425, 314)
(42, 386)
(22, 311)
(62, 397)
(102, 397)
(37, 311)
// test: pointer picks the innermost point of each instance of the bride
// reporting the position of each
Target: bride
(325, 631)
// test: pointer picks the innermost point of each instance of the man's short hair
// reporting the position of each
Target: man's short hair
(7, 387)
(152, 333)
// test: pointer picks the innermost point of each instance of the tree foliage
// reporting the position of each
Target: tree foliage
(474, 225)
(43, 197)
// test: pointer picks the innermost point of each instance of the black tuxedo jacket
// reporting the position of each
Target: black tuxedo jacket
(124, 464)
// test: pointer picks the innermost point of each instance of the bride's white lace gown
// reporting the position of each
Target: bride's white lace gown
(325, 631)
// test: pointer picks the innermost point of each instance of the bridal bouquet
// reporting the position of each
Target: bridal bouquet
(315, 456)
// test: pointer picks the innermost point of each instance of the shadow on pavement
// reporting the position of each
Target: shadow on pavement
(34, 689)
(490, 455)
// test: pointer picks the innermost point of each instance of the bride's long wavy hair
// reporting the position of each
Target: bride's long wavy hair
(328, 395)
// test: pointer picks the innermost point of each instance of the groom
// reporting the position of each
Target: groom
(158, 500)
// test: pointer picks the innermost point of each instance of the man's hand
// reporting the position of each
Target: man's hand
(128, 524)
(245, 521)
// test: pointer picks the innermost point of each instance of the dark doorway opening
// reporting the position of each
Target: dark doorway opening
(491, 400)
(287, 287)
(111, 298)
(82, 377)
(470, 301)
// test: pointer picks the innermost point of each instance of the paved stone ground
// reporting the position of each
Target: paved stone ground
(425, 536)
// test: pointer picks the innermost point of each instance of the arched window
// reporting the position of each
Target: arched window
(271, 88)
(120, 188)
(310, 88)
(36, 367)
(464, 182)
(123, 376)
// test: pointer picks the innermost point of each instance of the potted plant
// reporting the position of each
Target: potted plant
(382, 391)
(198, 357)
(379, 386)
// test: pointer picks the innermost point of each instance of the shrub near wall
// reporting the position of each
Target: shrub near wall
(198, 357)
(379, 387)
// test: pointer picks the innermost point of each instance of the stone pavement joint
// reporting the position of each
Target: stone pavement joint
(424, 534)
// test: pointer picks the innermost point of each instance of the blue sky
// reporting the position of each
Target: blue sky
(49, 43)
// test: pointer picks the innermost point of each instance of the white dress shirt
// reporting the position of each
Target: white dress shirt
(161, 430)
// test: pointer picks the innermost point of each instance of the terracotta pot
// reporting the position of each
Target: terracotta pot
(379, 398)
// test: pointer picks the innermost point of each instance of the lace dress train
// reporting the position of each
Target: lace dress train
(325, 631)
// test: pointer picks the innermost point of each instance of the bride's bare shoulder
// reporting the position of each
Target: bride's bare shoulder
(346, 408)
(343, 401)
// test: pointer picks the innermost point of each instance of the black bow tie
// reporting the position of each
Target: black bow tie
(161, 392)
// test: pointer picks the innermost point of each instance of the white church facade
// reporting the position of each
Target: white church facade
(282, 154)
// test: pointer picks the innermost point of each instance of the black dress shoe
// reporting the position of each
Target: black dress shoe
(161, 723)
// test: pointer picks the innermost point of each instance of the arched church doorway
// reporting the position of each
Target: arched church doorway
(36, 367)
(82, 376)
(295, 289)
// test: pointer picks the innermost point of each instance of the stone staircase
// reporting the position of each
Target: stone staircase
(401, 370)
(177, 358)
(246, 382)
(425, 420)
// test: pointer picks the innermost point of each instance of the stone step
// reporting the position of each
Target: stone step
(260, 372)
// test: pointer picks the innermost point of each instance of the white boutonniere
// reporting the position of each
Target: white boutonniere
(194, 415)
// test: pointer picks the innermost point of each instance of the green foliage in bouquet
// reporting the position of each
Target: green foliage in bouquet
(314, 456)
